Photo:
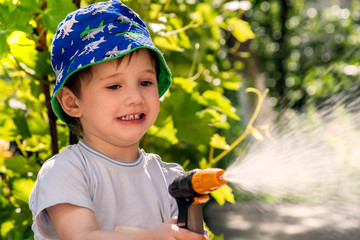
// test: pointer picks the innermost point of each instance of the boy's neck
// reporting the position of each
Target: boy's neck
(128, 153)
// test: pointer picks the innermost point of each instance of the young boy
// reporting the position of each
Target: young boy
(109, 77)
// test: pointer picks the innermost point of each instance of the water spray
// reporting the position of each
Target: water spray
(311, 166)
(312, 157)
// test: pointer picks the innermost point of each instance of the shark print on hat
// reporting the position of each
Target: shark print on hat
(92, 46)
(111, 26)
(90, 33)
(115, 52)
(100, 8)
(124, 19)
(66, 28)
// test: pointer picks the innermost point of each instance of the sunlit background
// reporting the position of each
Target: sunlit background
(304, 52)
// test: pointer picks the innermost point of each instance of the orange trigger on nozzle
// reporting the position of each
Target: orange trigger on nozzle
(200, 200)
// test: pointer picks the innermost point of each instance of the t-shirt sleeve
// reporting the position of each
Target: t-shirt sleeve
(171, 171)
(62, 179)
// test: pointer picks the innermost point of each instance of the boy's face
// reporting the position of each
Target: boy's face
(120, 102)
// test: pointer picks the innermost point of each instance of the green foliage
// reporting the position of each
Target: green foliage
(307, 50)
(17, 180)
(223, 195)
(193, 36)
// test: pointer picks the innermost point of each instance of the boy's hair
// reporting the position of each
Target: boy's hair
(98, 33)
(83, 76)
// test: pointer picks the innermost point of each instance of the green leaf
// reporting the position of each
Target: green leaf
(37, 143)
(209, 18)
(169, 43)
(42, 64)
(17, 164)
(219, 102)
(212, 236)
(3, 47)
(7, 12)
(183, 39)
(214, 118)
(230, 80)
(55, 12)
(203, 164)
(223, 194)
(219, 142)
(36, 89)
(185, 84)
(22, 188)
(6, 227)
(4, 74)
(7, 127)
(29, 6)
(21, 124)
(241, 29)
(167, 132)
(2, 160)
(22, 48)
(190, 126)
(231, 85)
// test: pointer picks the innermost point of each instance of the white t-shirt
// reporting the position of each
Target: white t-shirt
(122, 194)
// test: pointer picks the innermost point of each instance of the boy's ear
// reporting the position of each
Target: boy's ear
(68, 102)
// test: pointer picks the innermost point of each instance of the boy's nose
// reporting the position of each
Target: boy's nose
(134, 96)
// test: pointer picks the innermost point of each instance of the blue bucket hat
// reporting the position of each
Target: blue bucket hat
(97, 33)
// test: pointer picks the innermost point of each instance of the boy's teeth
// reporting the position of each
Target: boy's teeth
(131, 117)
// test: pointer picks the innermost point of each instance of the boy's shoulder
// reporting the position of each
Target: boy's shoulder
(69, 155)
(170, 169)
(166, 165)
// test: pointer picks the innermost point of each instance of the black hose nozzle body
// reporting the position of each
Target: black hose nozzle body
(190, 216)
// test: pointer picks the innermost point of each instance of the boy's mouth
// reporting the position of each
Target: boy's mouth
(132, 117)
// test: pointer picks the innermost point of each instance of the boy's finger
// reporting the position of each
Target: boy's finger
(184, 234)
(173, 220)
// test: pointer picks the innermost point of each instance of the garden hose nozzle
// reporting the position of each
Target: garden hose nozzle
(191, 190)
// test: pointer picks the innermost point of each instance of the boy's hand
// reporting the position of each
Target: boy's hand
(170, 231)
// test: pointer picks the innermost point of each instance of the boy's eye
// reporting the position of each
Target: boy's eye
(146, 83)
(113, 87)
